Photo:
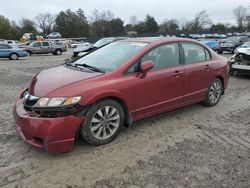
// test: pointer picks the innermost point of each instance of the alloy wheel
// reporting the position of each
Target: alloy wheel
(215, 92)
(105, 122)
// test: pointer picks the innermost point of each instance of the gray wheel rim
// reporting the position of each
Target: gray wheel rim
(13, 56)
(105, 122)
(215, 92)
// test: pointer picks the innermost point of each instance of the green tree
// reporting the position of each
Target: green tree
(116, 27)
(169, 26)
(219, 27)
(151, 25)
(28, 26)
(5, 28)
(72, 24)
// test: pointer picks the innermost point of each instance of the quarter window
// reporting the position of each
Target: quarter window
(194, 53)
(163, 56)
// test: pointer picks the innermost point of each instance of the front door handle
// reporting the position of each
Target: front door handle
(208, 67)
(177, 73)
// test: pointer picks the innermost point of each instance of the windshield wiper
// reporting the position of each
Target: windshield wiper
(90, 67)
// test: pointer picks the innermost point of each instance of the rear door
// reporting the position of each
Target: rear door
(197, 68)
(162, 88)
(46, 47)
(37, 48)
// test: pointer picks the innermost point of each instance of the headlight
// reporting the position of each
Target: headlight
(57, 102)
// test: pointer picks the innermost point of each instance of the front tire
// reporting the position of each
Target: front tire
(14, 56)
(214, 93)
(103, 122)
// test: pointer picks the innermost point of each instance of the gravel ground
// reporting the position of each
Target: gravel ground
(193, 146)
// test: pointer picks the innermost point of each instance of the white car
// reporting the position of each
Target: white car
(3, 41)
(54, 35)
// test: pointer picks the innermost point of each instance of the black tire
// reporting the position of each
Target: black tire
(234, 73)
(85, 130)
(14, 56)
(220, 52)
(29, 53)
(58, 52)
(208, 101)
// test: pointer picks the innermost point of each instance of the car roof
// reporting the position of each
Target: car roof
(159, 39)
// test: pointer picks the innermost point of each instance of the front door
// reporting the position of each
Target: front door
(162, 87)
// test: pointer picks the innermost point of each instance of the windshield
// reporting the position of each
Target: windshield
(103, 42)
(233, 39)
(246, 44)
(111, 56)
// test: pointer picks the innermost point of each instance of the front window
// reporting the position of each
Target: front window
(112, 56)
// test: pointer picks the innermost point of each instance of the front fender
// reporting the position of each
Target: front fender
(99, 96)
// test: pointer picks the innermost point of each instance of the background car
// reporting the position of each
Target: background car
(231, 43)
(11, 52)
(54, 35)
(100, 43)
(30, 36)
(214, 45)
(3, 41)
(45, 47)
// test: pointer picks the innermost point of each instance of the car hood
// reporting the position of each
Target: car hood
(244, 50)
(54, 78)
(82, 48)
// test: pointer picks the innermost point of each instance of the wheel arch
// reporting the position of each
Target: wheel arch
(127, 116)
(223, 83)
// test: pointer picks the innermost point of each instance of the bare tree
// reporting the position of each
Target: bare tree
(200, 21)
(133, 20)
(45, 22)
(240, 14)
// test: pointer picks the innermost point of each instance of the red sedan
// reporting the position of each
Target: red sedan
(115, 85)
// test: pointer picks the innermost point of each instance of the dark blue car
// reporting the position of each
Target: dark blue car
(11, 52)
(214, 45)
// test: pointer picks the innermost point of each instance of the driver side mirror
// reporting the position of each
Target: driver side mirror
(146, 66)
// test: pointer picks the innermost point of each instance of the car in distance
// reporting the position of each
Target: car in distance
(231, 43)
(45, 47)
(54, 35)
(214, 45)
(11, 52)
(115, 85)
(83, 49)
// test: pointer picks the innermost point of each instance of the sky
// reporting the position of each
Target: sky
(218, 10)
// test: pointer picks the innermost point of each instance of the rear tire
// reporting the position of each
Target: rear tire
(234, 73)
(214, 93)
(58, 52)
(103, 122)
(14, 56)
